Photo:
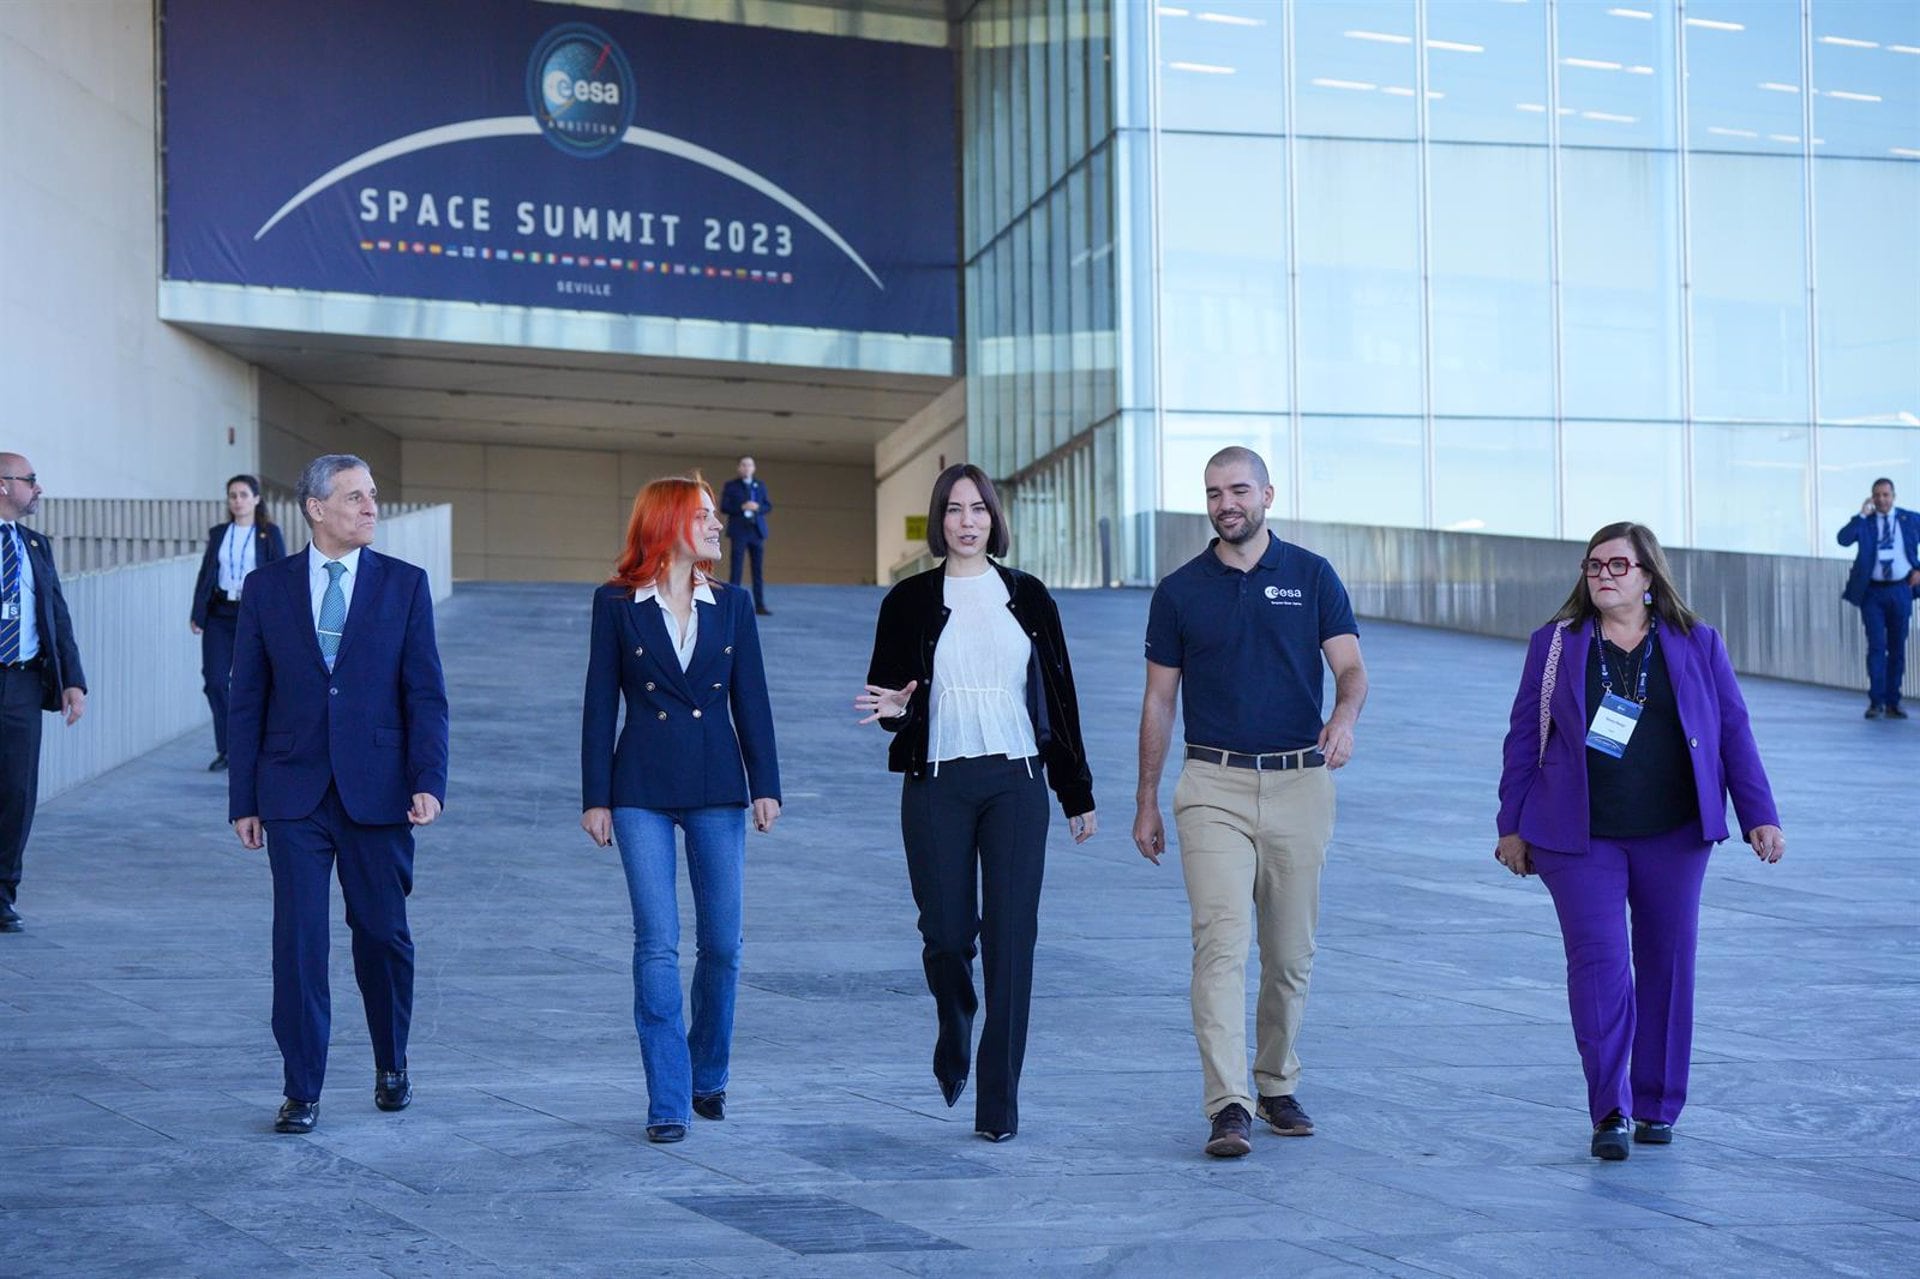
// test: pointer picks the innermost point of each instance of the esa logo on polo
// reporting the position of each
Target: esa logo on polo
(1286, 595)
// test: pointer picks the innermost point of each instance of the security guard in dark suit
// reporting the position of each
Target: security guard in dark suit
(39, 667)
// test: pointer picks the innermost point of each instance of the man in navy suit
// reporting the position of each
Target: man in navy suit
(745, 503)
(1884, 581)
(39, 667)
(336, 750)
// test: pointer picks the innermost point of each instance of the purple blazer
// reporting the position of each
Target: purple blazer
(1546, 803)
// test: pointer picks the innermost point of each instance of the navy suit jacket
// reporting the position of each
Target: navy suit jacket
(267, 547)
(1863, 531)
(60, 665)
(734, 497)
(376, 727)
(679, 747)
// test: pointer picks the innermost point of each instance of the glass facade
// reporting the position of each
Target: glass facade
(1501, 266)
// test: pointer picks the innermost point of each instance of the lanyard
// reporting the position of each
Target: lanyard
(234, 552)
(1646, 661)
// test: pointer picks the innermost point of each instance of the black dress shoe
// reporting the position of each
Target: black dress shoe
(666, 1134)
(995, 1137)
(392, 1090)
(1874, 711)
(1610, 1138)
(10, 921)
(764, 612)
(1648, 1133)
(296, 1116)
(952, 1088)
(712, 1106)
(219, 764)
(1894, 712)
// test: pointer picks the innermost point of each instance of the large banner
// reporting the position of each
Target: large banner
(531, 154)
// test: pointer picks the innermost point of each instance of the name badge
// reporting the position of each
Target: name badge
(233, 597)
(1613, 725)
(10, 610)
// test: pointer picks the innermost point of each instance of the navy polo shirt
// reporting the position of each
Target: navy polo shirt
(1247, 645)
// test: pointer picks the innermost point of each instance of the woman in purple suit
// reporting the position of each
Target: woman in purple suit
(1628, 734)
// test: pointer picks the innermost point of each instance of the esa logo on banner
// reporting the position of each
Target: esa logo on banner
(580, 89)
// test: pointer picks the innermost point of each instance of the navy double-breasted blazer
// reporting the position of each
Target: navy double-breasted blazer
(376, 726)
(697, 738)
(268, 546)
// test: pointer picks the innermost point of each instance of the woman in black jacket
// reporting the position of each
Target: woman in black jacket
(246, 541)
(970, 674)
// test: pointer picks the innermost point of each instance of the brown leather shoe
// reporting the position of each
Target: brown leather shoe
(1232, 1134)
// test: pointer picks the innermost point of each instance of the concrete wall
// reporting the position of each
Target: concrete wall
(143, 664)
(104, 399)
(905, 465)
(560, 515)
(297, 426)
(1781, 615)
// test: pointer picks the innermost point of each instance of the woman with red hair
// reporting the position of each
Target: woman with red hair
(697, 748)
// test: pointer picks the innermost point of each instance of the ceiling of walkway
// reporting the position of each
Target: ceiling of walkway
(441, 391)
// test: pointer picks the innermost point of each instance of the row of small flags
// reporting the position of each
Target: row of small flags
(592, 261)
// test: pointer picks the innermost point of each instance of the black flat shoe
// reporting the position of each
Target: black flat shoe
(666, 1134)
(995, 1137)
(1648, 1133)
(952, 1088)
(219, 764)
(712, 1106)
(296, 1116)
(1610, 1138)
(392, 1090)
(10, 922)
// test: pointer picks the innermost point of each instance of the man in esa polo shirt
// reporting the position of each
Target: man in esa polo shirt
(1246, 624)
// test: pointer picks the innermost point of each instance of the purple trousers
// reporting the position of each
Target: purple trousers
(1630, 985)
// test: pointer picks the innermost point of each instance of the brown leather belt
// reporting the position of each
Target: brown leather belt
(1280, 762)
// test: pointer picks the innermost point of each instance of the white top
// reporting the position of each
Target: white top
(317, 578)
(237, 558)
(683, 645)
(979, 694)
(29, 620)
(1889, 565)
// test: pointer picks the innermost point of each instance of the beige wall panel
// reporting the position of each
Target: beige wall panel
(527, 568)
(297, 426)
(446, 466)
(541, 525)
(104, 399)
(906, 463)
(468, 567)
(567, 472)
(469, 514)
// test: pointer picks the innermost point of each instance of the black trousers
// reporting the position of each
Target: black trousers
(20, 696)
(756, 550)
(375, 866)
(216, 669)
(976, 841)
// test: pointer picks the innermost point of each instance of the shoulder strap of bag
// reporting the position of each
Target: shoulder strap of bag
(1547, 680)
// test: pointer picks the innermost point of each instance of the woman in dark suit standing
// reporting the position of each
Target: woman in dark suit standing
(246, 541)
(697, 748)
(1628, 734)
(970, 674)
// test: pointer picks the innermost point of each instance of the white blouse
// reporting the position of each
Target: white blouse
(683, 645)
(236, 558)
(979, 694)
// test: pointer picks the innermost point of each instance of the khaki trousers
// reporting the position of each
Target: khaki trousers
(1252, 845)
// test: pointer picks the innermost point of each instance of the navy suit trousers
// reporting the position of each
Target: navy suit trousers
(375, 866)
(1886, 611)
(216, 670)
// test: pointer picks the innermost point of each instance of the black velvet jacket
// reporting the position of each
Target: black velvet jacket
(911, 619)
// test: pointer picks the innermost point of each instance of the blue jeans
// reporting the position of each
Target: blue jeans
(681, 1063)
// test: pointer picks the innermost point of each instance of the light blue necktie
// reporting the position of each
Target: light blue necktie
(10, 601)
(333, 613)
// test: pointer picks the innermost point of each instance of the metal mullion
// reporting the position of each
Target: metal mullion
(1683, 178)
(1422, 141)
(1554, 289)
(1292, 204)
(1812, 275)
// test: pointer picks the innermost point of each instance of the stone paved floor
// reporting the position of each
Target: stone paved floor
(138, 1077)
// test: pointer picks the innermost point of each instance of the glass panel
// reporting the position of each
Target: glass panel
(1750, 487)
(1362, 470)
(1353, 68)
(1867, 262)
(1487, 71)
(1616, 73)
(1192, 438)
(1749, 287)
(1222, 66)
(1359, 277)
(1623, 471)
(1134, 269)
(1851, 459)
(1493, 477)
(1743, 76)
(1059, 304)
(1490, 289)
(1620, 284)
(1103, 263)
(1866, 76)
(1223, 285)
